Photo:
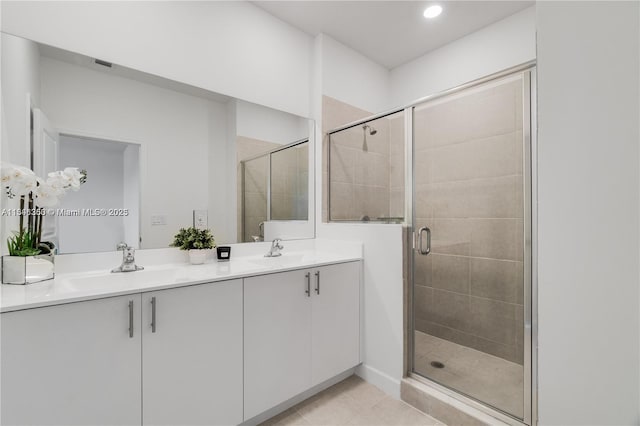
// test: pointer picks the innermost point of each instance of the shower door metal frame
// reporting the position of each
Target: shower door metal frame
(529, 125)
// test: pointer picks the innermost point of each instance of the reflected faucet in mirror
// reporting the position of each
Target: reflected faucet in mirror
(260, 237)
(128, 259)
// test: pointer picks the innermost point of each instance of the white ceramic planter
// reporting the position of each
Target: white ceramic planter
(198, 256)
(27, 269)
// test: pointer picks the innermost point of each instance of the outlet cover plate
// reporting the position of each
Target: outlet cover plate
(158, 219)
(200, 219)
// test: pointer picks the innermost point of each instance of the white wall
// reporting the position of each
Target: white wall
(233, 48)
(267, 124)
(132, 195)
(346, 75)
(222, 214)
(588, 194)
(105, 189)
(20, 79)
(351, 77)
(504, 44)
(232, 171)
(382, 307)
(172, 129)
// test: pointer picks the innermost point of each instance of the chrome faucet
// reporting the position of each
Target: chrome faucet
(275, 248)
(128, 259)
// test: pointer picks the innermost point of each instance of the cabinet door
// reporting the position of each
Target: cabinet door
(277, 340)
(192, 363)
(335, 319)
(72, 364)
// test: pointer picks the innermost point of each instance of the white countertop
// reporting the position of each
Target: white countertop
(73, 286)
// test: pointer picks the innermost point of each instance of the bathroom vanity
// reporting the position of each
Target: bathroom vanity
(219, 343)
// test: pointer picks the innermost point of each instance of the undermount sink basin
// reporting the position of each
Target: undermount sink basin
(285, 260)
(120, 279)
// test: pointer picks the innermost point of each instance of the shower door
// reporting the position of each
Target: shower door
(470, 295)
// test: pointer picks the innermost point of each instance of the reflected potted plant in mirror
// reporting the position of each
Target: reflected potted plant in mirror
(31, 260)
(198, 242)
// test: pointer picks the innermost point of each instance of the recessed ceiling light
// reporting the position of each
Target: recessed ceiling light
(432, 11)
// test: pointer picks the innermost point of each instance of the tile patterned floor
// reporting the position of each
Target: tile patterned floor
(485, 377)
(352, 402)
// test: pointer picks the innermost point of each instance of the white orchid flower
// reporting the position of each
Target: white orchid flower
(59, 181)
(75, 177)
(6, 170)
(46, 195)
(18, 180)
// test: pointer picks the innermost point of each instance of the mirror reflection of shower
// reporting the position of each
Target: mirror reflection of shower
(372, 131)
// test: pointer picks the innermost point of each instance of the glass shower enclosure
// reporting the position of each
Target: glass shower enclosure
(467, 203)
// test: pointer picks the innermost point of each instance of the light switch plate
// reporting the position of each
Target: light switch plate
(200, 219)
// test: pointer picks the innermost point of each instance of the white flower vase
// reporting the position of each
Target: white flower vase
(198, 256)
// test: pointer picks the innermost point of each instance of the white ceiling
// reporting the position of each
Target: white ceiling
(391, 32)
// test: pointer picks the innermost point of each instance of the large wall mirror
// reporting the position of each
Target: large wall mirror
(159, 154)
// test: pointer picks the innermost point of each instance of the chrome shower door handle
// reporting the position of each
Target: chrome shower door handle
(424, 251)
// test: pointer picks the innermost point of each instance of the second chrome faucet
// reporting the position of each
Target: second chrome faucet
(276, 246)
(128, 259)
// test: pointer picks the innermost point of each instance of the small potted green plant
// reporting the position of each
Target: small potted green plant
(198, 242)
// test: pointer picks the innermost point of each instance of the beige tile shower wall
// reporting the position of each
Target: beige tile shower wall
(396, 166)
(360, 180)
(282, 184)
(335, 113)
(469, 191)
(255, 210)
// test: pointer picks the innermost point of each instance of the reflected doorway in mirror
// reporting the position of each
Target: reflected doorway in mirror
(109, 209)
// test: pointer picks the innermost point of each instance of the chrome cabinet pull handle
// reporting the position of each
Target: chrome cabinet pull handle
(153, 314)
(318, 282)
(308, 290)
(424, 251)
(131, 318)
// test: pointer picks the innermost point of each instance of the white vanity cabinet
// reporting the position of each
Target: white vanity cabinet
(82, 363)
(300, 329)
(192, 355)
(217, 353)
(277, 339)
(335, 320)
(72, 364)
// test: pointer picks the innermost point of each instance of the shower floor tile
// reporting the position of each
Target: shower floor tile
(492, 380)
(352, 402)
